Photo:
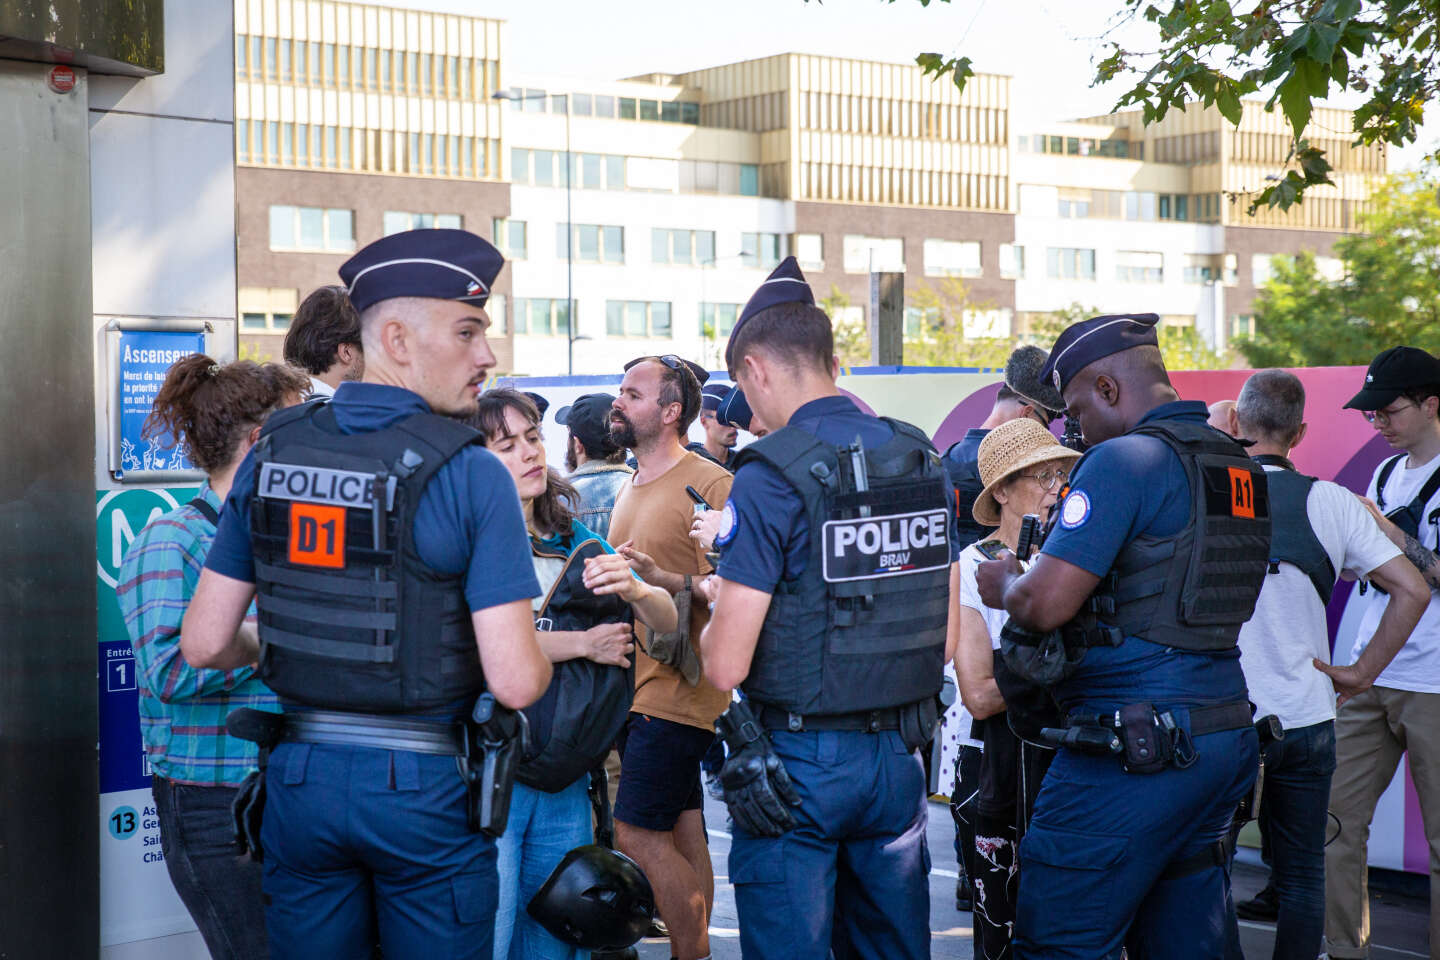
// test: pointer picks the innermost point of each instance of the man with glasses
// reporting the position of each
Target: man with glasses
(658, 818)
(1401, 712)
(1319, 529)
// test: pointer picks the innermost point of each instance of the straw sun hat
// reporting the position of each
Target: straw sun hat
(1005, 451)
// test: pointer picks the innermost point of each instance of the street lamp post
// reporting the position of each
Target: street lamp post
(570, 336)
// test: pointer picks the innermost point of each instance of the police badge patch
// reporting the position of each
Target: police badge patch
(1075, 511)
(728, 523)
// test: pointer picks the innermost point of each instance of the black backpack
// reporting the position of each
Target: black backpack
(577, 720)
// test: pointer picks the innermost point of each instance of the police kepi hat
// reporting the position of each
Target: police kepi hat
(786, 284)
(734, 410)
(589, 419)
(1392, 372)
(1081, 344)
(436, 264)
(713, 394)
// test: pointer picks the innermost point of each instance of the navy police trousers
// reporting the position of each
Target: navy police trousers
(853, 873)
(1093, 863)
(363, 843)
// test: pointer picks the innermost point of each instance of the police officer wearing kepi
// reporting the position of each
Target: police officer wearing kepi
(835, 583)
(389, 559)
(1131, 613)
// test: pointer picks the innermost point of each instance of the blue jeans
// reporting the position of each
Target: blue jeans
(360, 840)
(543, 827)
(854, 870)
(1293, 808)
(222, 892)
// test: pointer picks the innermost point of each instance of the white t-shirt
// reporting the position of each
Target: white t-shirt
(1289, 628)
(1417, 666)
(970, 558)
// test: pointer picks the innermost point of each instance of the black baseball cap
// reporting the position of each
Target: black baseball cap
(588, 418)
(1392, 373)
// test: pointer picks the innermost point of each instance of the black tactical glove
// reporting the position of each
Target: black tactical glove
(757, 788)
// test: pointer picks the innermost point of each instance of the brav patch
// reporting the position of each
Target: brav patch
(1075, 511)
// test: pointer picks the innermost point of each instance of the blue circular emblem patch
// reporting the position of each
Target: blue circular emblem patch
(1075, 511)
(728, 524)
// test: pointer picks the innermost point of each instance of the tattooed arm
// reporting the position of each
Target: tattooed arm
(1424, 559)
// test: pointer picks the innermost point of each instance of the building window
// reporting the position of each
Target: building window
(682, 246)
(604, 106)
(810, 251)
(637, 318)
(627, 108)
(542, 318)
(510, 237)
(920, 322)
(760, 250)
(312, 229)
(718, 319)
(594, 243)
(242, 140)
(1068, 263)
(397, 221)
(952, 258)
(649, 109)
(1012, 261)
(1140, 206)
(265, 322)
(1260, 269)
(1139, 266)
(1242, 325)
(874, 254)
(749, 180)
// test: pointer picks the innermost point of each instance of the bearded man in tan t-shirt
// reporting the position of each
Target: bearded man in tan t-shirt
(658, 818)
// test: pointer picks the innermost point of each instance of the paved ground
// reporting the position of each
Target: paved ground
(1399, 922)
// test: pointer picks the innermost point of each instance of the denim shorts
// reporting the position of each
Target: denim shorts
(659, 771)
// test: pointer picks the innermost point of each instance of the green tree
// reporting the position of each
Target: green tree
(1389, 294)
(1299, 51)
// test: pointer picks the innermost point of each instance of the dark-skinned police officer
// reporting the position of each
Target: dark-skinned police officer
(389, 559)
(1155, 559)
(836, 572)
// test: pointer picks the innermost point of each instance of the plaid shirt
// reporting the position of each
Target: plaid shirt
(182, 709)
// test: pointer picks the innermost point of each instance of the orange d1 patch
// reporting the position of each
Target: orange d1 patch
(317, 535)
(1242, 493)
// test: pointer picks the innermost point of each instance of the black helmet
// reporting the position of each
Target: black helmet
(596, 899)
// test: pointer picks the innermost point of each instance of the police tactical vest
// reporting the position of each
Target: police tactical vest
(1292, 539)
(863, 627)
(965, 480)
(350, 617)
(576, 720)
(1195, 589)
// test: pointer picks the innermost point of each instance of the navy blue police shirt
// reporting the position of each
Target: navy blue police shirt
(1122, 489)
(468, 519)
(766, 537)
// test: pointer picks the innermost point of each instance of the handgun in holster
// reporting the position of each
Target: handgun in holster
(247, 809)
(1270, 730)
(495, 740)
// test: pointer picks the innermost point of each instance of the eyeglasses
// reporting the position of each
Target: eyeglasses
(1049, 479)
(1383, 416)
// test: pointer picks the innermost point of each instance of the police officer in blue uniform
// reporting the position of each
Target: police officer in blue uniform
(389, 559)
(1132, 612)
(835, 577)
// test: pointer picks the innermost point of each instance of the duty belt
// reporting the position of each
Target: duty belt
(869, 721)
(376, 731)
(1213, 719)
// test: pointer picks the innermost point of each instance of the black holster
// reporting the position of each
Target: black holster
(247, 810)
(495, 741)
(599, 790)
(917, 723)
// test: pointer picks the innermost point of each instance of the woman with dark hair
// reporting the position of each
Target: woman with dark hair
(583, 624)
(216, 412)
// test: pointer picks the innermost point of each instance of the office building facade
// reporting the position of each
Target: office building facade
(682, 191)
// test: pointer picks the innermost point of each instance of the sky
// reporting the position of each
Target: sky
(1047, 46)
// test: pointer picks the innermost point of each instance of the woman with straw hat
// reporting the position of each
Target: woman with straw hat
(1023, 468)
